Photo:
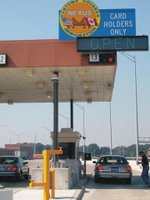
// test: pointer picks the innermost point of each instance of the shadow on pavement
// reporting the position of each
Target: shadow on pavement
(115, 184)
(12, 183)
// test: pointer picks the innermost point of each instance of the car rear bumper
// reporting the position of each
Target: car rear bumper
(114, 175)
(8, 174)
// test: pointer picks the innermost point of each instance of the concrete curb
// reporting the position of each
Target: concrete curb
(79, 194)
(6, 194)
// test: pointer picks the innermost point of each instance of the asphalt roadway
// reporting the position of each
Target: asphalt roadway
(117, 190)
(87, 189)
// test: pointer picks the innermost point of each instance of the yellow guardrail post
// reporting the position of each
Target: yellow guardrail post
(46, 177)
(53, 183)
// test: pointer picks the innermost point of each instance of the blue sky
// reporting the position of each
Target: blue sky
(38, 19)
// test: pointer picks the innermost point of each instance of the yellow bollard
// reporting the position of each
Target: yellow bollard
(46, 194)
(46, 177)
(36, 184)
(53, 183)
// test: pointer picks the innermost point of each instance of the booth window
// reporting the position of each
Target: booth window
(68, 150)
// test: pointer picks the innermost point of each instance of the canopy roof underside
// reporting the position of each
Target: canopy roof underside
(30, 67)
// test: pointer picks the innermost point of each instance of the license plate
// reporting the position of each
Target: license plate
(114, 169)
(1, 168)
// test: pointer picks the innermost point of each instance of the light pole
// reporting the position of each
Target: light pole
(18, 135)
(81, 107)
(49, 130)
(110, 115)
(133, 60)
(34, 140)
(66, 118)
(94, 152)
(55, 80)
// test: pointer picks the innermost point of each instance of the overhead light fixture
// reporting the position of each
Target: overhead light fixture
(87, 94)
(85, 84)
(29, 72)
(10, 101)
(49, 95)
(1, 94)
(82, 72)
(40, 84)
(109, 86)
(89, 100)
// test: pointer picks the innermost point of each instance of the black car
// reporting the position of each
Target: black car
(112, 167)
(13, 166)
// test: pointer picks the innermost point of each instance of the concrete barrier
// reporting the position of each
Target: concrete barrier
(6, 194)
(63, 178)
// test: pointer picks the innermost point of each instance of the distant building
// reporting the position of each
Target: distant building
(4, 151)
(25, 150)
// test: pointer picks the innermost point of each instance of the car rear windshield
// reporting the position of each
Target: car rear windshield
(8, 160)
(113, 160)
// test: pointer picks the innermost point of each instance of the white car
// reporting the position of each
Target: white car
(112, 167)
(13, 166)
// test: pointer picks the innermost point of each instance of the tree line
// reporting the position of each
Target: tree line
(95, 150)
(129, 151)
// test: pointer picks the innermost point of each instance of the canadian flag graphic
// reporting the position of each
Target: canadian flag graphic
(91, 22)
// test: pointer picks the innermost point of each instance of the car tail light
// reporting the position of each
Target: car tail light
(128, 168)
(100, 167)
(11, 168)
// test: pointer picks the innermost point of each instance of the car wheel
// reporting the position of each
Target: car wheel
(129, 181)
(26, 176)
(96, 179)
(18, 177)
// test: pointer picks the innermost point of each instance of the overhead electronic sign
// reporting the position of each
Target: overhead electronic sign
(126, 43)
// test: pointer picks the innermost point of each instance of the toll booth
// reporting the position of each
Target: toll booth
(69, 141)
(68, 171)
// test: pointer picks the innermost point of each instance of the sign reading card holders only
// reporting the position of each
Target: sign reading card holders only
(3, 59)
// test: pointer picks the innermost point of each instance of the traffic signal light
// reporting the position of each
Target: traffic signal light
(103, 58)
(87, 156)
(107, 58)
